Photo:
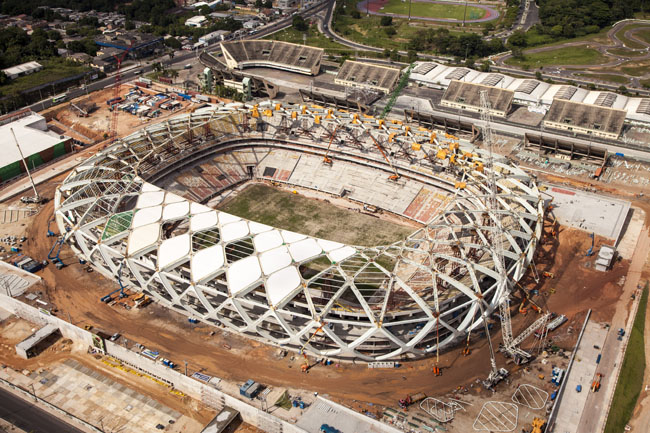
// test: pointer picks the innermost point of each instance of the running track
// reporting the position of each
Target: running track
(376, 5)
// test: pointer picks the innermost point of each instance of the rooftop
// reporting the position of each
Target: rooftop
(469, 94)
(586, 116)
(32, 135)
(22, 68)
(369, 74)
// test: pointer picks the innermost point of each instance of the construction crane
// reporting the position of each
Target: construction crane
(27, 199)
(590, 251)
(395, 176)
(326, 158)
(109, 297)
(112, 131)
(510, 346)
(55, 251)
(305, 366)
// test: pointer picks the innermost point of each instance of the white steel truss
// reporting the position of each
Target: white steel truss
(370, 303)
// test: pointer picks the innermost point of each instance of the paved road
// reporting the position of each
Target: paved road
(596, 407)
(30, 418)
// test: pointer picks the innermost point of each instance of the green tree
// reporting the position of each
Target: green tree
(386, 21)
(355, 14)
(390, 31)
(128, 25)
(622, 90)
(299, 23)
(173, 43)
(518, 39)
(538, 75)
(412, 56)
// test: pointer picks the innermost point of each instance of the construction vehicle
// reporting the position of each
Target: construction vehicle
(404, 403)
(327, 159)
(50, 233)
(590, 251)
(538, 425)
(54, 256)
(395, 176)
(437, 371)
(595, 385)
(547, 274)
(108, 298)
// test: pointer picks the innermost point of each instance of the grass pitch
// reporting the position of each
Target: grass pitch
(282, 209)
(433, 10)
(561, 56)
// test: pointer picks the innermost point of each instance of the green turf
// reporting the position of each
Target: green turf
(645, 83)
(612, 78)
(624, 52)
(432, 10)
(635, 70)
(314, 38)
(282, 209)
(629, 42)
(53, 69)
(561, 56)
(630, 381)
(644, 34)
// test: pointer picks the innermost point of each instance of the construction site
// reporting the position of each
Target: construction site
(281, 267)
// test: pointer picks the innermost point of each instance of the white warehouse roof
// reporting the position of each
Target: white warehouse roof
(531, 91)
(32, 135)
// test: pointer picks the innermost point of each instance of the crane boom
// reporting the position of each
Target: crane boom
(390, 163)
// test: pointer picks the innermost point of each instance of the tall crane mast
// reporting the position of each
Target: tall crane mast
(112, 131)
(510, 344)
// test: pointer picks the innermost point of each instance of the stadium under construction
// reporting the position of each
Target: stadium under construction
(127, 211)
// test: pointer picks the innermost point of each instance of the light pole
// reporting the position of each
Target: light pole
(33, 391)
(410, 10)
(185, 367)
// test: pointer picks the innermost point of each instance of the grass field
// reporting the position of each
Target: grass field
(612, 78)
(561, 56)
(630, 380)
(288, 211)
(644, 34)
(629, 42)
(636, 69)
(314, 38)
(432, 10)
(645, 83)
(624, 52)
(53, 69)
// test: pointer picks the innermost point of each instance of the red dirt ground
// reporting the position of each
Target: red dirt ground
(77, 293)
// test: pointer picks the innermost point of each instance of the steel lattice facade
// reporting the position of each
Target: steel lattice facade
(291, 290)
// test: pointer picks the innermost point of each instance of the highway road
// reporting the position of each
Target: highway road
(27, 416)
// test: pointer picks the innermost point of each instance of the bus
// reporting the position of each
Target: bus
(59, 98)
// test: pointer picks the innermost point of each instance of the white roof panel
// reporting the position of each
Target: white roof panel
(234, 230)
(341, 254)
(173, 198)
(275, 259)
(207, 262)
(146, 216)
(143, 237)
(197, 208)
(173, 249)
(153, 198)
(292, 236)
(328, 246)
(226, 218)
(203, 221)
(267, 241)
(242, 274)
(258, 228)
(149, 187)
(305, 249)
(33, 137)
(176, 210)
(281, 284)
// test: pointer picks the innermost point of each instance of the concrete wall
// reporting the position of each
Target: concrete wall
(187, 385)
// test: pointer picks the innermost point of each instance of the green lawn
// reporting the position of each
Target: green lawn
(624, 52)
(645, 83)
(53, 69)
(612, 78)
(314, 38)
(630, 380)
(432, 10)
(644, 34)
(561, 56)
(629, 42)
(282, 209)
(635, 69)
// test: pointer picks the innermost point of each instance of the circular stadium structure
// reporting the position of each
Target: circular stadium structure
(137, 211)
